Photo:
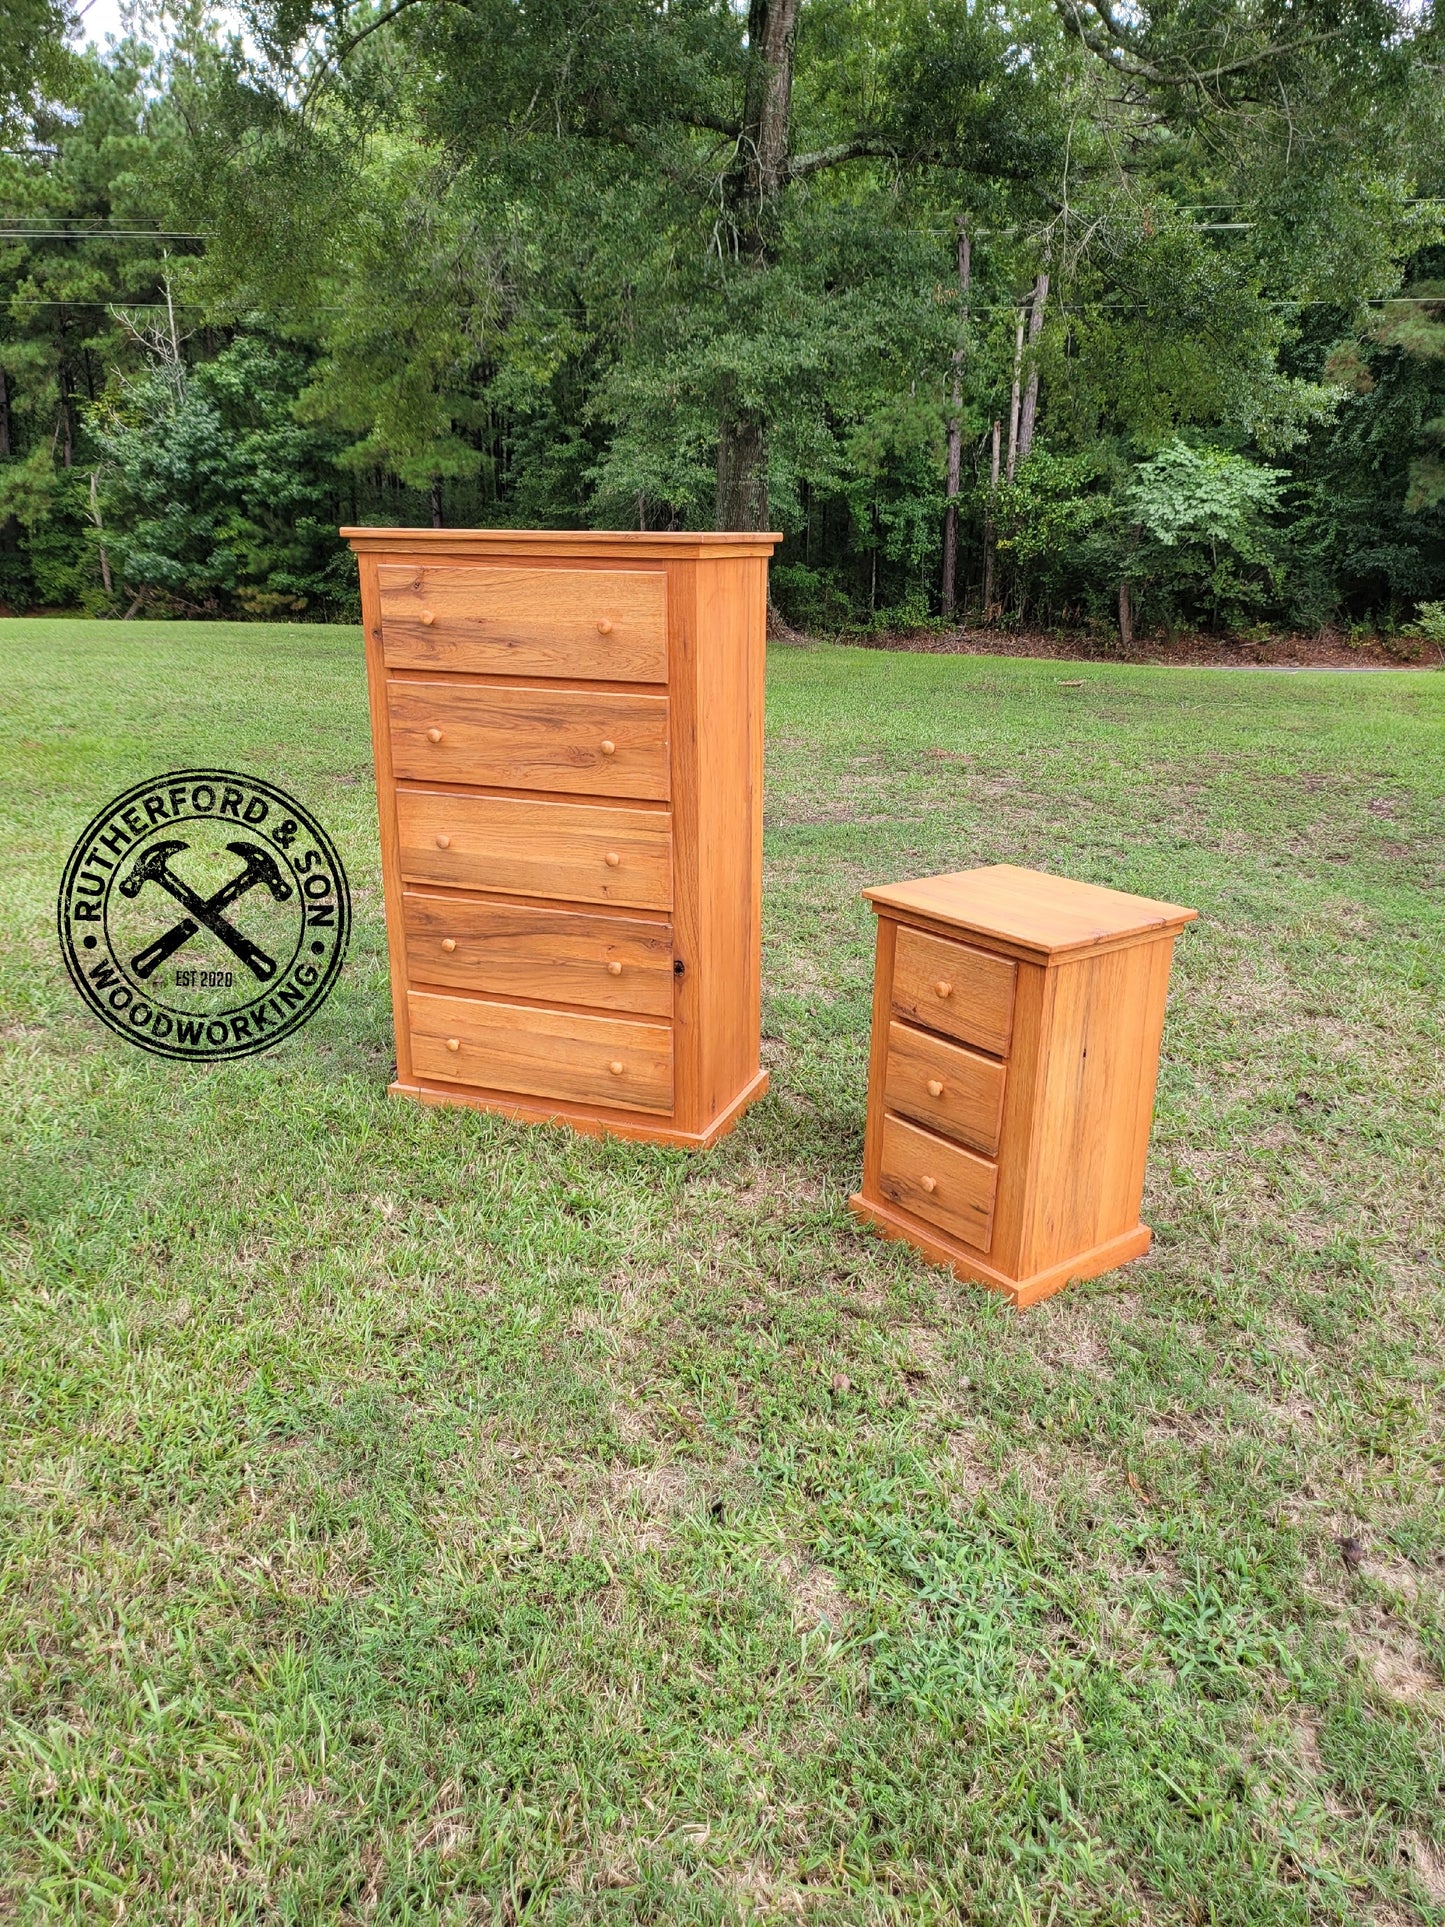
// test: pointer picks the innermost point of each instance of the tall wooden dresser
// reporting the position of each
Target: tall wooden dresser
(1016, 1027)
(569, 752)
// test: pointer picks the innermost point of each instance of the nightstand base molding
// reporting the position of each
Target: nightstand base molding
(1020, 1292)
(591, 1123)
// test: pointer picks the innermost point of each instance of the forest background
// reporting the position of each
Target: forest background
(1116, 315)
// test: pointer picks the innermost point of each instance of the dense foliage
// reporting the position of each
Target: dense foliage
(1067, 314)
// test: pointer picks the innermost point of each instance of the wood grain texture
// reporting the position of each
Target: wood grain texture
(386, 812)
(527, 688)
(539, 1052)
(552, 955)
(577, 623)
(1077, 1084)
(1095, 1100)
(537, 848)
(972, 1267)
(558, 548)
(593, 1120)
(953, 987)
(582, 742)
(938, 1181)
(952, 1090)
(726, 767)
(883, 956)
(1047, 914)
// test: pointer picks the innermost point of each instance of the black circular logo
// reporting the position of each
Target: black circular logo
(204, 914)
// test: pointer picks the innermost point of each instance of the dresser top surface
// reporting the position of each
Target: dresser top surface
(1028, 908)
(612, 545)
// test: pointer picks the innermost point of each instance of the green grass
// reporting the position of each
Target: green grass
(412, 1517)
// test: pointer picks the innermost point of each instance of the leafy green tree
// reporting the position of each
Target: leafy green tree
(219, 500)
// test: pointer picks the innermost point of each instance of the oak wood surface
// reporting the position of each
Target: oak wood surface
(970, 1265)
(938, 1181)
(1080, 1062)
(593, 1120)
(386, 811)
(540, 1052)
(537, 848)
(884, 952)
(561, 548)
(953, 987)
(573, 735)
(595, 743)
(951, 1089)
(582, 623)
(1095, 1099)
(521, 950)
(1047, 914)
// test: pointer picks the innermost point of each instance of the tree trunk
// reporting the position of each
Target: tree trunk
(95, 517)
(1126, 618)
(4, 416)
(742, 473)
(1013, 406)
(753, 190)
(436, 501)
(988, 537)
(949, 592)
(1031, 396)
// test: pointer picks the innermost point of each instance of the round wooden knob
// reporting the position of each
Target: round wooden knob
(427, 618)
(449, 943)
(455, 1043)
(604, 625)
(614, 969)
(609, 748)
(943, 989)
(616, 1067)
(935, 1089)
(613, 859)
(929, 1184)
(444, 842)
(433, 735)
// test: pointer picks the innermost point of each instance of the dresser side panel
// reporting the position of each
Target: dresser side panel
(727, 773)
(1096, 1101)
(386, 812)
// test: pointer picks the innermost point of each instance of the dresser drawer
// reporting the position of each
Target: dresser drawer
(597, 624)
(952, 987)
(595, 743)
(541, 1053)
(944, 1086)
(938, 1181)
(520, 950)
(588, 853)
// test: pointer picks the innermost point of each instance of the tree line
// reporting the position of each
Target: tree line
(1068, 314)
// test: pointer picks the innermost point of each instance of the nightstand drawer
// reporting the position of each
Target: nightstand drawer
(521, 950)
(938, 1181)
(588, 853)
(953, 988)
(944, 1086)
(599, 624)
(541, 1053)
(597, 743)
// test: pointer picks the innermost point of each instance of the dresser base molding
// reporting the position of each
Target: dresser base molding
(1020, 1292)
(590, 1122)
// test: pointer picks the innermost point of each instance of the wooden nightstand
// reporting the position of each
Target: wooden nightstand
(1016, 1028)
(569, 765)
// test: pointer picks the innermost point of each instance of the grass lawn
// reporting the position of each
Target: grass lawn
(412, 1517)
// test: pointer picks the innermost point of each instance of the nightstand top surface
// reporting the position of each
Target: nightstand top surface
(1047, 914)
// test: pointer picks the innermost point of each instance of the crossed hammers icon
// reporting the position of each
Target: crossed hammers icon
(154, 867)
